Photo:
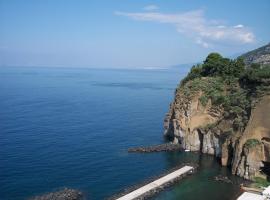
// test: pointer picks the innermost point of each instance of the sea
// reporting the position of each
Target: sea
(71, 127)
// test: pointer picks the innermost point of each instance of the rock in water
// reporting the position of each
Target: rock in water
(65, 194)
(156, 148)
(221, 178)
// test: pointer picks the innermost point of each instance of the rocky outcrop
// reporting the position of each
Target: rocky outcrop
(156, 148)
(203, 128)
(260, 56)
(222, 108)
(185, 123)
(250, 162)
(252, 148)
(65, 194)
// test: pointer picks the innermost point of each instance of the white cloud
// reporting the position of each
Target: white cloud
(239, 26)
(194, 24)
(151, 7)
(202, 43)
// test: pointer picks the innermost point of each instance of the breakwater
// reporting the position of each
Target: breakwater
(157, 185)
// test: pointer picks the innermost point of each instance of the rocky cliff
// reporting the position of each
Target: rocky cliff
(260, 55)
(225, 116)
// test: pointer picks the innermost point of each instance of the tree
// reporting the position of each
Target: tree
(212, 64)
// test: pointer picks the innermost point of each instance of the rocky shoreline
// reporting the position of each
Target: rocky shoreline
(168, 147)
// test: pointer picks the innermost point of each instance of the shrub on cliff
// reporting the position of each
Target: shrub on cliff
(260, 182)
(195, 72)
(216, 65)
(228, 84)
(256, 74)
(250, 143)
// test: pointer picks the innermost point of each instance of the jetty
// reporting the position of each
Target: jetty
(158, 184)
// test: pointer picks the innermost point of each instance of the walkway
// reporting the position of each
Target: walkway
(157, 183)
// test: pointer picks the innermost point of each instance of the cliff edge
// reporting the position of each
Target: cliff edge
(222, 108)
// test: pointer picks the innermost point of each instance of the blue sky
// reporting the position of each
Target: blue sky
(128, 33)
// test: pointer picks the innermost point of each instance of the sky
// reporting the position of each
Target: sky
(128, 33)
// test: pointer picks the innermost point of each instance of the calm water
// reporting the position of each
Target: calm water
(72, 127)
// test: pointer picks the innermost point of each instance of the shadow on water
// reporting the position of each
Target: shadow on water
(200, 185)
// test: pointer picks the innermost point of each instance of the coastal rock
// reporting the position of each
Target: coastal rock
(221, 178)
(156, 148)
(251, 161)
(253, 147)
(65, 194)
(211, 144)
(222, 108)
(185, 121)
(188, 122)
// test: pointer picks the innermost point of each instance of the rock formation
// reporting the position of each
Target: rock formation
(65, 194)
(260, 55)
(200, 124)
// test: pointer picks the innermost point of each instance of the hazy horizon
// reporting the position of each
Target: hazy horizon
(127, 34)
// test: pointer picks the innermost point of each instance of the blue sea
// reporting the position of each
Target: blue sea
(71, 127)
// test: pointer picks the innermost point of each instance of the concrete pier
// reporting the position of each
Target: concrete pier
(157, 183)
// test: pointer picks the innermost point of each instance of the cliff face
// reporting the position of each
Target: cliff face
(184, 122)
(202, 128)
(249, 157)
(224, 115)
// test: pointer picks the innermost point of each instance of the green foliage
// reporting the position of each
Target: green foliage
(237, 107)
(237, 68)
(212, 65)
(228, 84)
(256, 74)
(252, 143)
(204, 100)
(210, 126)
(212, 88)
(256, 79)
(216, 65)
(255, 66)
(195, 72)
(261, 182)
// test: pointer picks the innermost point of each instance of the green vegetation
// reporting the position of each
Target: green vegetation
(260, 182)
(210, 126)
(211, 87)
(257, 78)
(216, 65)
(228, 84)
(252, 143)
